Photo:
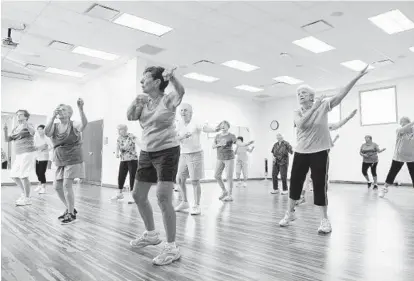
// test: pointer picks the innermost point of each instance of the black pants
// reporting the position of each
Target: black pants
(318, 163)
(125, 167)
(395, 169)
(283, 169)
(41, 167)
(4, 165)
(373, 167)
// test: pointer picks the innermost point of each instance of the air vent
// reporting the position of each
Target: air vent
(262, 96)
(62, 46)
(15, 75)
(102, 12)
(149, 49)
(88, 65)
(317, 27)
(202, 62)
(36, 67)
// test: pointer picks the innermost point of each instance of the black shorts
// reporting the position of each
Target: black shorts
(158, 166)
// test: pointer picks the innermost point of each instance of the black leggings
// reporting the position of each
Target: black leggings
(319, 164)
(395, 169)
(41, 167)
(4, 165)
(373, 167)
(124, 167)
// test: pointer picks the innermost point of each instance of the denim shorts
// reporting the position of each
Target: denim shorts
(158, 165)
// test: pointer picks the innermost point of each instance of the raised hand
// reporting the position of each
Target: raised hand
(141, 100)
(168, 73)
(364, 71)
(318, 101)
(80, 103)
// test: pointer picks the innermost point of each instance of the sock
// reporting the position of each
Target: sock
(172, 244)
(152, 233)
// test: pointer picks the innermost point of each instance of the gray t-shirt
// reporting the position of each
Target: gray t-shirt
(404, 147)
(371, 150)
(316, 137)
(225, 152)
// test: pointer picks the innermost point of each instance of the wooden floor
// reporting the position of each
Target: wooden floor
(372, 239)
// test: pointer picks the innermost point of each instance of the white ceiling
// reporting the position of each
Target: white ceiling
(253, 32)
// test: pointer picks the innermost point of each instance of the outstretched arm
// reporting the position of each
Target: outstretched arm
(302, 121)
(336, 126)
(250, 149)
(174, 99)
(337, 99)
(210, 129)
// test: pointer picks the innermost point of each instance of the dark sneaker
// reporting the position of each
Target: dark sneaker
(65, 213)
(69, 219)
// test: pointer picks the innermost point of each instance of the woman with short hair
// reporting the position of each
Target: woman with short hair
(24, 162)
(66, 137)
(127, 152)
(369, 152)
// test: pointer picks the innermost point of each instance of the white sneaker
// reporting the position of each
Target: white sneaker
(284, 192)
(325, 226)
(195, 210)
(228, 198)
(183, 206)
(168, 255)
(38, 187)
(223, 195)
(274, 191)
(42, 190)
(118, 196)
(22, 196)
(131, 200)
(289, 216)
(382, 192)
(24, 201)
(146, 240)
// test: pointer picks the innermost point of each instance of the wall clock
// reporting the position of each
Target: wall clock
(274, 125)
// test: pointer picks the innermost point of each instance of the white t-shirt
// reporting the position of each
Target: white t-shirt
(316, 137)
(193, 143)
(43, 155)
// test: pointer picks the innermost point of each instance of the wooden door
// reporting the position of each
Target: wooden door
(92, 152)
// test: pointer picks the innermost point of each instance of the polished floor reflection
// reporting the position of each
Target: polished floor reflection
(372, 239)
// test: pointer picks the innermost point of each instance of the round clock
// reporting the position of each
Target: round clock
(274, 125)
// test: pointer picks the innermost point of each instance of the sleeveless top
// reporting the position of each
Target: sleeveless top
(158, 127)
(67, 146)
(404, 147)
(23, 140)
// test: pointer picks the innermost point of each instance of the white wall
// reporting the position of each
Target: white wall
(345, 164)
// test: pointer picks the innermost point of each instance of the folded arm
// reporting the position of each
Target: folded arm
(174, 99)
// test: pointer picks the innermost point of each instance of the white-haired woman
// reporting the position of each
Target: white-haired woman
(67, 142)
(312, 150)
(24, 162)
(225, 159)
(404, 153)
(127, 152)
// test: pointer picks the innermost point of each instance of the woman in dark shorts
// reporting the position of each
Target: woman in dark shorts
(158, 160)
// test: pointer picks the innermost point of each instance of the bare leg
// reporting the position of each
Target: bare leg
(26, 186)
(140, 195)
(164, 195)
(197, 191)
(59, 190)
(19, 184)
(70, 194)
(182, 182)
(230, 171)
(218, 174)
(292, 204)
(375, 180)
(324, 212)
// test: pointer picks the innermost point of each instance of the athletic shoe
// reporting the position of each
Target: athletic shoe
(168, 255)
(289, 216)
(118, 196)
(369, 184)
(228, 198)
(24, 201)
(42, 190)
(284, 192)
(183, 206)
(382, 192)
(245, 184)
(301, 200)
(131, 200)
(223, 195)
(38, 187)
(375, 187)
(195, 210)
(274, 191)
(65, 213)
(325, 226)
(22, 196)
(146, 240)
(69, 219)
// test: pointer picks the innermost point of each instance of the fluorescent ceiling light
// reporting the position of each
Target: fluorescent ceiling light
(356, 65)
(249, 88)
(240, 65)
(64, 72)
(94, 53)
(412, 49)
(288, 80)
(392, 22)
(201, 77)
(142, 24)
(314, 45)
